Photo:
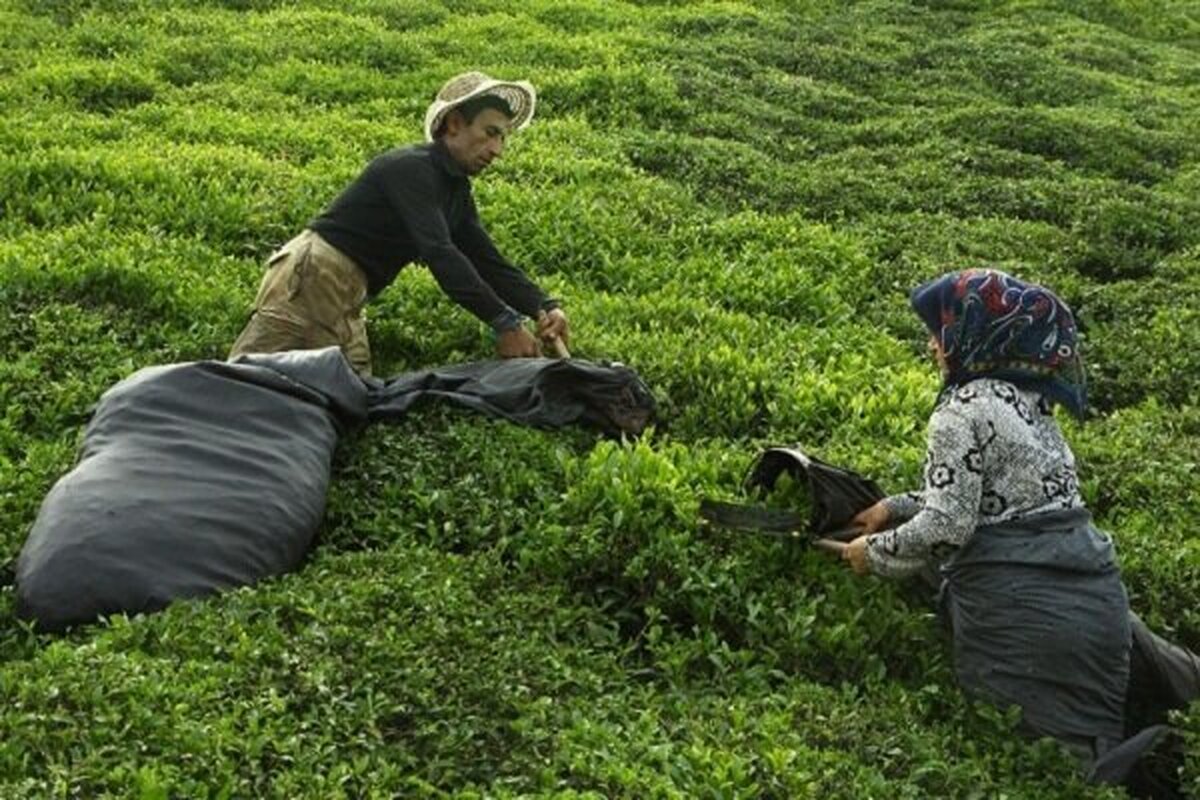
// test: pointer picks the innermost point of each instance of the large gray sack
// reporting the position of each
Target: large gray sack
(191, 479)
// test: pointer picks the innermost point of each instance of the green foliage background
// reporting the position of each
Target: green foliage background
(732, 197)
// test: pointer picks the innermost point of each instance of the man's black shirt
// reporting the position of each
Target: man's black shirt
(415, 204)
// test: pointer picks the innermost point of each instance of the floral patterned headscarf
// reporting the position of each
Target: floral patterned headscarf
(991, 324)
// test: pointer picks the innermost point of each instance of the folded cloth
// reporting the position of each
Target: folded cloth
(541, 392)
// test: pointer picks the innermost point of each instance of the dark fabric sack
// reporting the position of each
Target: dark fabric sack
(1162, 677)
(191, 478)
(1040, 619)
(541, 392)
(1146, 764)
(837, 493)
(835, 496)
(1034, 601)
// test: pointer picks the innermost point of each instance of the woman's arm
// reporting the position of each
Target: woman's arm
(903, 507)
(949, 512)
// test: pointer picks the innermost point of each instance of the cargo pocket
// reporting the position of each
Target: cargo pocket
(357, 347)
(300, 268)
(268, 288)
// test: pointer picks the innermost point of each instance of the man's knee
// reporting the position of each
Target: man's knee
(267, 332)
(358, 348)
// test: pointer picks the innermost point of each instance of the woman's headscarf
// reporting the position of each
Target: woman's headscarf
(991, 324)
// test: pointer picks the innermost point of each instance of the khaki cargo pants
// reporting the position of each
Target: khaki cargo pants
(311, 297)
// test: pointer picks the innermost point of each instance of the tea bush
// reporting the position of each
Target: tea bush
(734, 198)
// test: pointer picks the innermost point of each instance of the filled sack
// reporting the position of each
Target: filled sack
(191, 479)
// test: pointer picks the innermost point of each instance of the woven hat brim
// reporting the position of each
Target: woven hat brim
(520, 96)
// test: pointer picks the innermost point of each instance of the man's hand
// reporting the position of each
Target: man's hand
(517, 343)
(552, 325)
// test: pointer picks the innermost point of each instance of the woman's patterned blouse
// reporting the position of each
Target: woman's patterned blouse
(995, 454)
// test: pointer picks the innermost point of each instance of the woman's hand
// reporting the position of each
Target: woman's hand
(855, 555)
(872, 519)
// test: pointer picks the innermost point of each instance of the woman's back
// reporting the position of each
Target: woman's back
(1026, 466)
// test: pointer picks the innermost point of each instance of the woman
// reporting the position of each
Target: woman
(1030, 588)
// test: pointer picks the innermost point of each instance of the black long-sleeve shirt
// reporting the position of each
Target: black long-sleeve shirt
(415, 204)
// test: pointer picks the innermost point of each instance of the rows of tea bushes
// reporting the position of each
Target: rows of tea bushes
(732, 197)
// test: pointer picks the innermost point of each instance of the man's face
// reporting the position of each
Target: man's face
(476, 144)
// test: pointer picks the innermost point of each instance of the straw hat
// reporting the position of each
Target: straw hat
(519, 95)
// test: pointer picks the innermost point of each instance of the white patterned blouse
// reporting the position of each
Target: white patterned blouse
(995, 454)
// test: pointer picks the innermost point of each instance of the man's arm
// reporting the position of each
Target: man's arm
(411, 188)
(511, 283)
(949, 512)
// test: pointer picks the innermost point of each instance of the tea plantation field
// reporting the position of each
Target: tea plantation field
(732, 197)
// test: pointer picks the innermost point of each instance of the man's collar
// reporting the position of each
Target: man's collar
(442, 157)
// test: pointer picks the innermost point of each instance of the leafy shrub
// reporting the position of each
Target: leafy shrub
(1127, 238)
(259, 699)
(1136, 483)
(103, 87)
(1141, 339)
(100, 36)
(1112, 146)
(397, 486)
(614, 96)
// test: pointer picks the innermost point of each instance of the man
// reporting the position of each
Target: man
(409, 204)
